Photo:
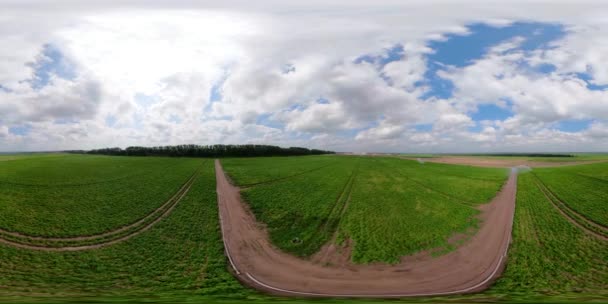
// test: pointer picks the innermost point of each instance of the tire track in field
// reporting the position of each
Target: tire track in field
(329, 249)
(341, 202)
(470, 268)
(104, 239)
(571, 215)
(570, 209)
(340, 206)
(270, 181)
(459, 200)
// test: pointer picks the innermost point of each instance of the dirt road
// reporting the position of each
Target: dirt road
(470, 268)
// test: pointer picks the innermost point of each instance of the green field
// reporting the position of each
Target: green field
(583, 188)
(82, 195)
(180, 256)
(549, 256)
(387, 207)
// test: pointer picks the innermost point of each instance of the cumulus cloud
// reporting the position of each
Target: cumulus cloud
(291, 74)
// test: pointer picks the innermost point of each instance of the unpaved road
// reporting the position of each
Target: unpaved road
(498, 162)
(470, 268)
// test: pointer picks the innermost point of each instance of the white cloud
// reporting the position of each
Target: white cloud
(175, 53)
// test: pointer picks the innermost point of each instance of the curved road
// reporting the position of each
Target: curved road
(470, 268)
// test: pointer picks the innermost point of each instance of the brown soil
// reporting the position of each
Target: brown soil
(497, 163)
(470, 268)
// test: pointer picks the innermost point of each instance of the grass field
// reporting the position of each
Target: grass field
(81, 195)
(388, 207)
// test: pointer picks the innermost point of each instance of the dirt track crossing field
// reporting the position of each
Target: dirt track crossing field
(470, 268)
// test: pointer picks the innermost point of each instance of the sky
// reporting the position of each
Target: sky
(360, 76)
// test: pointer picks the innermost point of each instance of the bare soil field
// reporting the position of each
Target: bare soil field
(470, 268)
(499, 162)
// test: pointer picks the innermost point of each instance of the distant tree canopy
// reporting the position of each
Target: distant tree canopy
(208, 151)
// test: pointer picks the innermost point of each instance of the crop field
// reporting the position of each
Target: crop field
(380, 208)
(181, 255)
(549, 255)
(245, 172)
(385, 206)
(84, 195)
(582, 188)
(399, 207)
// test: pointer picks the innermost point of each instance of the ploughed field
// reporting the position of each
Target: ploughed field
(385, 208)
(378, 208)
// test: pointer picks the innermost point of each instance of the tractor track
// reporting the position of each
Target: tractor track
(25, 241)
(579, 220)
(274, 180)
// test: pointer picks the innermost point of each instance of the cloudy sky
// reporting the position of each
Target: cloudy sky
(384, 76)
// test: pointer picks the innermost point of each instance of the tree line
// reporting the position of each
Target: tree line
(207, 151)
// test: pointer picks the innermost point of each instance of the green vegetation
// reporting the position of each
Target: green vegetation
(244, 171)
(549, 255)
(387, 207)
(78, 195)
(583, 188)
(11, 156)
(296, 209)
(182, 255)
(400, 207)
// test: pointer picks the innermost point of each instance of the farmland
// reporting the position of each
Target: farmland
(582, 188)
(181, 255)
(549, 255)
(97, 194)
(375, 209)
(386, 206)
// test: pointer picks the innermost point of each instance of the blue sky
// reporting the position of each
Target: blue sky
(51, 62)
(357, 77)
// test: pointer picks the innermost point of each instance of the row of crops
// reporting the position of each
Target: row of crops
(55, 205)
(182, 255)
(549, 256)
(392, 207)
(386, 207)
(582, 188)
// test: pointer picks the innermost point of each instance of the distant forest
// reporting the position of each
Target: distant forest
(207, 151)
